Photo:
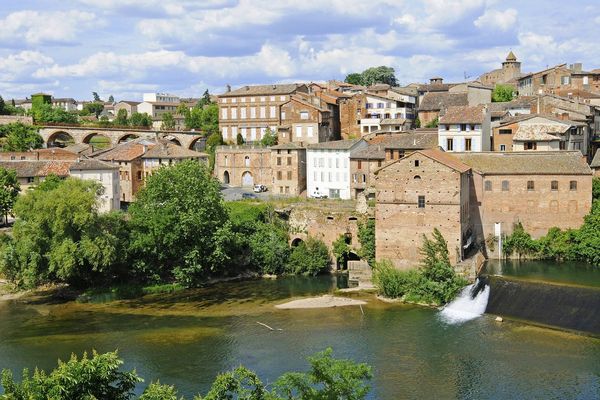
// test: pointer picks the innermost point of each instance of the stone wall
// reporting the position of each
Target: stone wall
(11, 119)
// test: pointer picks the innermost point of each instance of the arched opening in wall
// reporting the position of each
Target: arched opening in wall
(247, 179)
(128, 138)
(296, 242)
(60, 139)
(198, 144)
(172, 139)
(226, 177)
(352, 256)
(97, 141)
(417, 178)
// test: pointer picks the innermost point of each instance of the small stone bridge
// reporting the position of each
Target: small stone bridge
(56, 135)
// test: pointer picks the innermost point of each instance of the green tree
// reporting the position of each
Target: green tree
(20, 137)
(341, 250)
(596, 188)
(269, 248)
(97, 98)
(111, 99)
(269, 139)
(59, 237)
(588, 237)
(327, 379)
(520, 242)
(354, 78)
(503, 93)
(140, 120)
(381, 74)
(417, 122)
(210, 119)
(96, 377)
(156, 391)
(212, 142)
(46, 114)
(433, 123)
(121, 118)
(3, 110)
(180, 227)
(205, 100)
(168, 122)
(9, 190)
(239, 139)
(94, 108)
(310, 257)
(366, 236)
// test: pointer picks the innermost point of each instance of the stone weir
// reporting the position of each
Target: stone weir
(563, 306)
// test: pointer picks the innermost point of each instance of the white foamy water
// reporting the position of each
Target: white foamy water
(464, 308)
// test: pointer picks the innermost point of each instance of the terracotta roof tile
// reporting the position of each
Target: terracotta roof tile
(437, 101)
(264, 90)
(527, 163)
(168, 150)
(463, 115)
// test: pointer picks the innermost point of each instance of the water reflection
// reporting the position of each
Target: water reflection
(186, 338)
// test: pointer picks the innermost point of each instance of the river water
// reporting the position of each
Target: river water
(186, 338)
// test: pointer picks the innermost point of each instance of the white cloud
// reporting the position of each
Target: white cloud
(19, 65)
(494, 19)
(36, 27)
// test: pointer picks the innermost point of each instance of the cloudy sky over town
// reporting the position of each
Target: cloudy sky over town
(126, 47)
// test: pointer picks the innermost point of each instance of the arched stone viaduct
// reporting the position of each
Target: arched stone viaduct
(82, 134)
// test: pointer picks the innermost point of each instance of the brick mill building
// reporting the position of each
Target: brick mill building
(476, 198)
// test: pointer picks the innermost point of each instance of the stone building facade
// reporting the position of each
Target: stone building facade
(288, 163)
(425, 190)
(244, 166)
(508, 74)
(475, 199)
(304, 120)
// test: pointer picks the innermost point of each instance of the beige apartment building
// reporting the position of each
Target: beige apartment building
(251, 110)
(244, 166)
(288, 163)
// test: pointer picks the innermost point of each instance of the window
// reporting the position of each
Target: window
(447, 127)
(225, 132)
(530, 146)
(417, 177)
(139, 175)
(263, 112)
(463, 127)
(449, 144)
(281, 98)
(309, 131)
(252, 112)
(472, 127)
(554, 185)
(416, 163)
(505, 131)
(289, 175)
(315, 176)
(421, 201)
(586, 80)
(298, 131)
(252, 134)
(573, 185)
(279, 175)
(272, 112)
(530, 185)
(272, 98)
(565, 80)
(278, 160)
(359, 164)
(354, 178)
(562, 145)
(12, 157)
(243, 112)
(289, 161)
(502, 147)
(234, 113)
(223, 113)
(283, 115)
(364, 178)
(303, 114)
(488, 186)
(468, 144)
(247, 161)
(505, 186)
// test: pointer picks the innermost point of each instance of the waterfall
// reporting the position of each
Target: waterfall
(469, 304)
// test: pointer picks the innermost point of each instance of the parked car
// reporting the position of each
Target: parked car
(318, 195)
(248, 196)
(260, 188)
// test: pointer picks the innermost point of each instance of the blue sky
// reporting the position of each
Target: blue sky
(126, 47)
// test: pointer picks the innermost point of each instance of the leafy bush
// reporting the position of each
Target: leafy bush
(310, 257)
(435, 282)
(99, 378)
(520, 242)
(366, 236)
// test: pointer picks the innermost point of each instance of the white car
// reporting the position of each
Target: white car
(260, 188)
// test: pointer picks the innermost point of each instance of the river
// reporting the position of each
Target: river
(186, 338)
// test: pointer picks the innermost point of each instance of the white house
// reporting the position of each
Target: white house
(328, 168)
(397, 109)
(106, 174)
(465, 128)
(160, 98)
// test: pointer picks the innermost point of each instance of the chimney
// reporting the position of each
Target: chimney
(228, 88)
(436, 81)
(247, 88)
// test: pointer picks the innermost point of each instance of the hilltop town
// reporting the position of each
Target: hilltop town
(470, 159)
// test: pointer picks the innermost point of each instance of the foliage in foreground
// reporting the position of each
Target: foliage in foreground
(581, 244)
(99, 377)
(19, 137)
(435, 282)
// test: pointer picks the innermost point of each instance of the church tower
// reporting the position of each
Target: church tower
(511, 68)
